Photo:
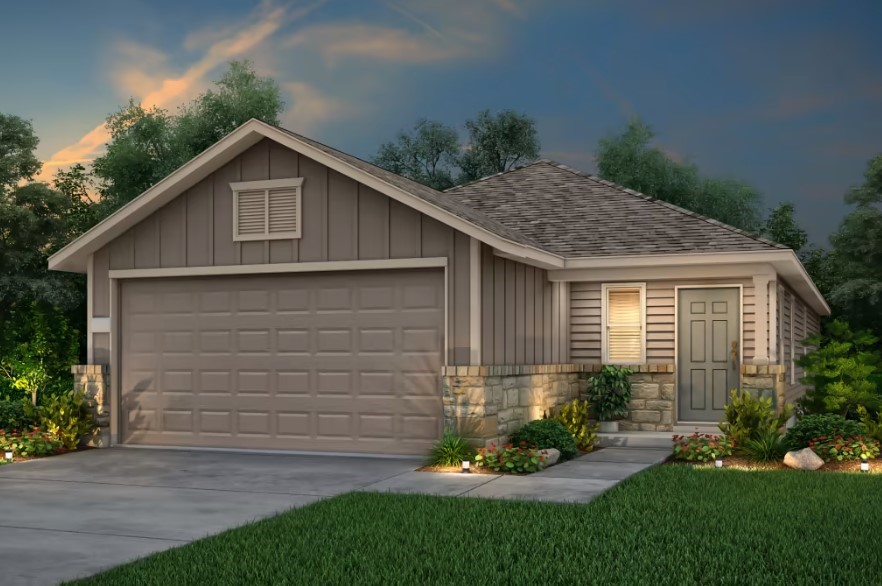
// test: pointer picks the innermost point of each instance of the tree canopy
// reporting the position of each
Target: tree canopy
(782, 227)
(432, 154)
(629, 159)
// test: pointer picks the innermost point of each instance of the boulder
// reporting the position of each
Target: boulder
(552, 455)
(804, 459)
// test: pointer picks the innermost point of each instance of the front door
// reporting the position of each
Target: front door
(708, 353)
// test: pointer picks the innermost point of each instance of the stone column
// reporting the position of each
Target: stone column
(94, 380)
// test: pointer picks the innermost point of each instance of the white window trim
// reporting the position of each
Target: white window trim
(267, 185)
(604, 301)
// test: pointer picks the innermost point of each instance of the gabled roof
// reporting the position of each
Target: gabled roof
(574, 214)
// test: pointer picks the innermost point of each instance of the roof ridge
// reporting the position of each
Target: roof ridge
(661, 202)
(499, 174)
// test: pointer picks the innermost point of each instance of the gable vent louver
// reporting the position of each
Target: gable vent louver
(252, 212)
(282, 206)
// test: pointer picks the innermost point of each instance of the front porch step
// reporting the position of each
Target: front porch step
(636, 439)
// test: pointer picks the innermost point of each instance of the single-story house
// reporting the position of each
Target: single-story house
(275, 293)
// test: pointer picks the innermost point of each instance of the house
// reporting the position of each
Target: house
(275, 293)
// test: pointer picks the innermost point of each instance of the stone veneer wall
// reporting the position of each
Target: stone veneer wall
(488, 403)
(652, 397)
(94, 379)
(767, 380)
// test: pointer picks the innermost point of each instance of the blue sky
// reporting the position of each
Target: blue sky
(786, 95)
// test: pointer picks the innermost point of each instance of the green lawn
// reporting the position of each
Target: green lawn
(669, 525)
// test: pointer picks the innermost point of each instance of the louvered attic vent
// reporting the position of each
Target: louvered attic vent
(267, 210)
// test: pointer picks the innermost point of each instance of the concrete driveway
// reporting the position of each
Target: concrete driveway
(74, 515)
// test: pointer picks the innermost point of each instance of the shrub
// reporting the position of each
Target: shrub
(12, 415)
(30, 443)
(575, 417)
(873, 426)
(827, 425)
(520, 459)
(751, 417)
(701, 447)
(840, 373)
(547, 433)
(768, 447)
(65, 416)
(451, 450)
(840, 449)
(610, 392)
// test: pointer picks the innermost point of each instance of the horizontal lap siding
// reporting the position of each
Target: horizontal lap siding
(518, 314)
(805, 322)
(585, 319)
(342, 220)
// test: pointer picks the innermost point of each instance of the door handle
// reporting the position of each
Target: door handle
(734, 353)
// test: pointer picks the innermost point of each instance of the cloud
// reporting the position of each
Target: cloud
(311, 108)
(165, 91)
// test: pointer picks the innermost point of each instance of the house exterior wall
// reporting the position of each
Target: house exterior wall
(796, 322)
(585, 332)
(342, 221)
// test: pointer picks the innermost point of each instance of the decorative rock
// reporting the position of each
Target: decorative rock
(552, 455)
(804, 459)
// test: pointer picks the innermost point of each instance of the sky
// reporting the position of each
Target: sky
(786, 95)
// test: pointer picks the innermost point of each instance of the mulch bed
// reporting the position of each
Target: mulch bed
(742, 463)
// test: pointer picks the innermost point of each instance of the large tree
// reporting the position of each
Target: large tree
(631, 160)
(857, 252)
(428, 154)
(432, 154)
(782, 227)
(148, 144)
(17, 146)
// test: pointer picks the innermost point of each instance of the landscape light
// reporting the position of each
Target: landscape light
(466, 467)
(718, 463)
(865, 465)
(9, 455)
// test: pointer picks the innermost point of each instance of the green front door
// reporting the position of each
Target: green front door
(708, 352)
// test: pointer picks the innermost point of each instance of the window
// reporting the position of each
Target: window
(623, 319)
(267, 210)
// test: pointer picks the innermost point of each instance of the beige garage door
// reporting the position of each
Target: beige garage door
(345, 362)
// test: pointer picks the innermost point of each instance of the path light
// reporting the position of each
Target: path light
(466, 467)
(9, 455)
(865, 465)
(718, 462)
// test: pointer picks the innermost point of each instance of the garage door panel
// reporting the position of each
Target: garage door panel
(333, 361)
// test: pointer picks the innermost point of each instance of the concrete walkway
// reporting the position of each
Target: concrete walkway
(578, 480)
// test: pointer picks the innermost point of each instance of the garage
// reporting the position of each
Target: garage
(335, 361)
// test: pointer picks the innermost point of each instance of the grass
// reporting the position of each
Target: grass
(669, 525)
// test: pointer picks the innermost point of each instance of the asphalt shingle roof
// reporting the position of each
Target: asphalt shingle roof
(574, 214)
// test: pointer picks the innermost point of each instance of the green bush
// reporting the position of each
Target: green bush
(520, 459)
(818, 425)
(842, 449)
(576, 418)
(65, 416)
(751, 417)
(873, 425)
(701, 447)
(30, 443)
(451, 450)
(547, 433)
(610, 392)
(841, 373)
(12, 415)
(768, 447)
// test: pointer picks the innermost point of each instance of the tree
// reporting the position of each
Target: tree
(781, 227)
(148, 144)
(857, 250)
(427, 155)
(77, 186)
(498, 143)
(629, 159)
(17, 146)
(840, 372)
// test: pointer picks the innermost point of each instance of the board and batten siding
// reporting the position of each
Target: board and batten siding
(585, 328)
(522, 322)
(342, 220)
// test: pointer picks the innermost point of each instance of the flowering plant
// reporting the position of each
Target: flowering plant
(30, 443)
(840, 449)
(702, 447)
(520, 459)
